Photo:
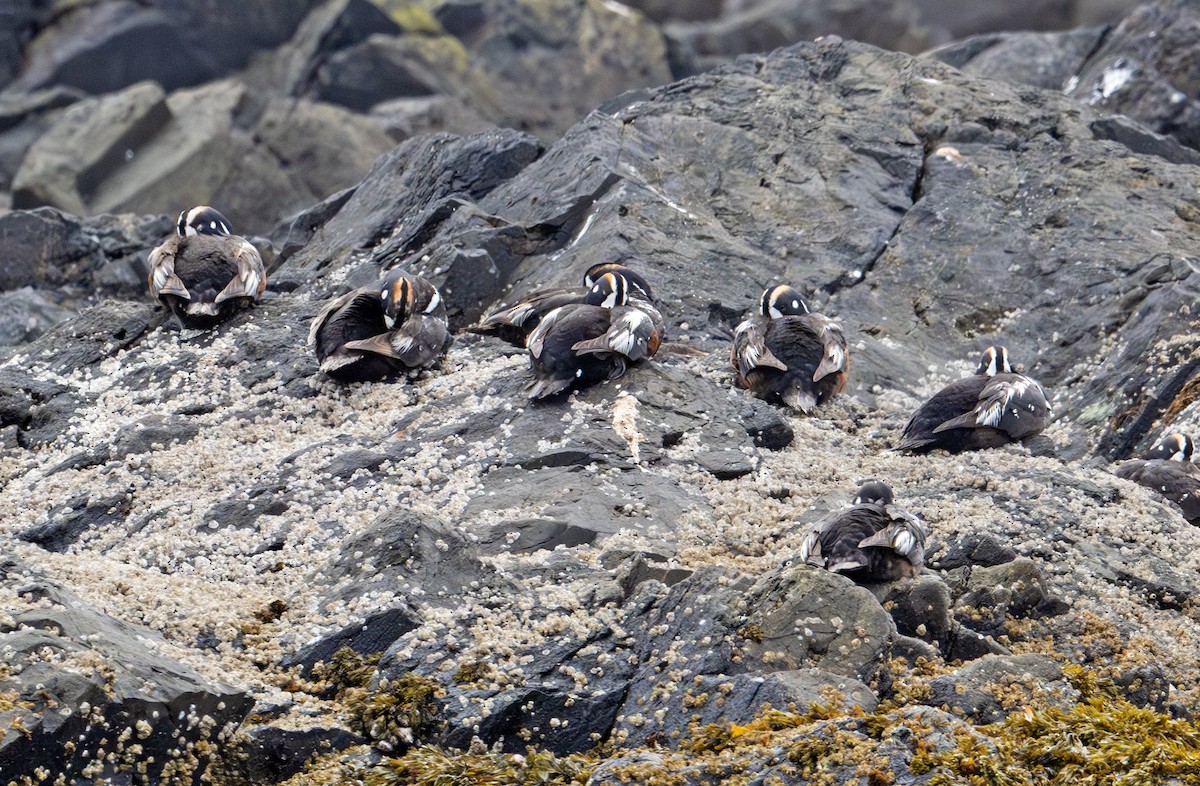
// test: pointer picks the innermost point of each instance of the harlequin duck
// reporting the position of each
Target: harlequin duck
(874, 540)
(994, 407)
(205, 273)
(514, 323)
(1168, 469)
(398, 323)
(785, 353)
(581, 344)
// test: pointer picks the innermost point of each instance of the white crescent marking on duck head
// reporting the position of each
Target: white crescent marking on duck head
(433, 302)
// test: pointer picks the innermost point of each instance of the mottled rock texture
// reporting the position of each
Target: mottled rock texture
(200, 523)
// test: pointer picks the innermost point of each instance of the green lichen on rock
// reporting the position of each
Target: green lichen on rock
(1101, 741)
(433, 766)
(348, 669)
(401, 710)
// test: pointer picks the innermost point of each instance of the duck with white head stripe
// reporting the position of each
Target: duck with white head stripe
(994, 407)
(787, 353)
(582, 344)
(205, 273)
(396, 324)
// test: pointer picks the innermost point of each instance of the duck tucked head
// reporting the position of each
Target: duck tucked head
(874, 492)
(609, 291)
(782, 300)
(636, 282)
(994, 361)
(1173, 447)
(202, 220)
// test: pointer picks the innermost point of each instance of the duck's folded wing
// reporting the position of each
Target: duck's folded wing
(329, 309)
(833, 360)
(904, 534)
(536, 342)
(810, 546)
(631, 334)
(533, 304)
(162, 278)
(1014, 404)
(750, 349)
(419, 341)
(251, 278)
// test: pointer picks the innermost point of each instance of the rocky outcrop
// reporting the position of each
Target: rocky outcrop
(361, 569)
(84, 695)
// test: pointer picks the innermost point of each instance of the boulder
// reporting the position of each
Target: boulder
(1140, 70)
(107, 686)
(141, 151)
(107, 46)
(1047, 60)
(987, 689)
(27, 314)
(538, 67)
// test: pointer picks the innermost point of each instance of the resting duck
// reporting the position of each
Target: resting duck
(514, 323)
(785, 353)
(1168, 469)
(581, 344)
(873, 540)
(205, 274)
(396, 324)
(994, 407)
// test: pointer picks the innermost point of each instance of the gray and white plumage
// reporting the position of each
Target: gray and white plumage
(872, 540)
(1167, 468)
(514, 323)
(396, 324)
(582, 344)
(205, 273)
(993, 408)
(786, 353)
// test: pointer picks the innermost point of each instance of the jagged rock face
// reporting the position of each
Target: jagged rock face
(91, 696)
(619, 565)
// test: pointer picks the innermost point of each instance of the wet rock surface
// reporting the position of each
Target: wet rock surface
(345, 572)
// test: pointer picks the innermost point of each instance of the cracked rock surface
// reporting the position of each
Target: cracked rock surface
(200, 519)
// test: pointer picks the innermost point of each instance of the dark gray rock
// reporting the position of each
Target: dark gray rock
(140, 150)
(79, 515)
(537, 534)
(783, 639)
(738, 698)
(409, 554)
(380, 68)
(1046, 60)
(985, 690)
(68, 712)
(1141, 71)
(983, 550)
(986, 598)
(920, 607)
(538, 67)
(269, 754)
(104, 47)
(1145, 686)
(1149, 575)
(402, 118)
(374, 634)
(330, 27)
(28, 313)
(811, 617)
(1139, 139)
(763, 25)
(49, 249)
(427, 174)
